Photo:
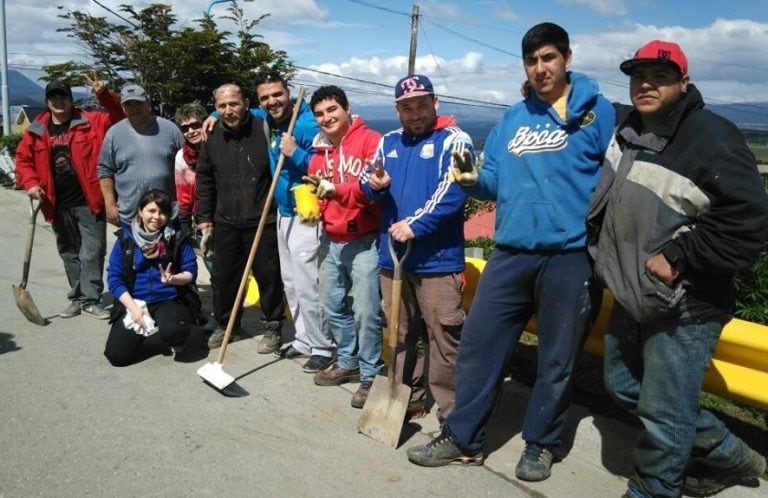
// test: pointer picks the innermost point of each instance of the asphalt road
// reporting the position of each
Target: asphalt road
(72, 425)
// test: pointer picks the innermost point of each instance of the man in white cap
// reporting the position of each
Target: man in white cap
(138, 154)
(679, 210)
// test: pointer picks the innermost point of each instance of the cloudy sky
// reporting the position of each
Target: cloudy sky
(470, 49)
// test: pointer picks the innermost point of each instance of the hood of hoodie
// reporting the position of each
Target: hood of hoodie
(581, 98)
(322, 143)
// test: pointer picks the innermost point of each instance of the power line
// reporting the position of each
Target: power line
(135, 26)
(482, 103)
(379, 7)
(617, 83)
(434, 57)
(475, 40)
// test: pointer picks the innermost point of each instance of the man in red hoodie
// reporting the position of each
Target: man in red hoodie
(349, 276)
(56, 164)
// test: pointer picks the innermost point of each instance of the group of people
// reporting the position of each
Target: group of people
(659, 202)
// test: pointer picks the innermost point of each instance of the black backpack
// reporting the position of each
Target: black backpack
(187, 293)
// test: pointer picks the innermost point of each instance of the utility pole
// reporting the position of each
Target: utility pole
(4, 72)
(414, 37)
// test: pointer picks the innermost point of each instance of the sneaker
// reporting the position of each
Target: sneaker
(210, 325)
(270, 342)
(336, 376)
(535, 463)
(215, 340)
(715, 481)
(361, 395)
(74, 309)
(290, 353)
(96, 311)
(441, 451)
(315, 363)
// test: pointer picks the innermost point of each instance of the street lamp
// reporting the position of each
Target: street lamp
(210, 5)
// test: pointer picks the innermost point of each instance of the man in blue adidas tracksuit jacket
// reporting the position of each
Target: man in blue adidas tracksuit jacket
(421, 206)
(541, 166)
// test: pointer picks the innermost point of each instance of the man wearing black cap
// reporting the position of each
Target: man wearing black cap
(421, 206)
(679, 210)
(56, 164)
(138, 154)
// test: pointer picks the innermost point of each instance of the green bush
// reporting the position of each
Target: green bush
(752, 292)
(10, 142)
(486, 243)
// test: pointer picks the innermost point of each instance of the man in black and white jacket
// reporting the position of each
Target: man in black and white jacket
(679, 210)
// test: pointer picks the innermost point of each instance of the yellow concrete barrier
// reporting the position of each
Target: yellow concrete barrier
(739, 369)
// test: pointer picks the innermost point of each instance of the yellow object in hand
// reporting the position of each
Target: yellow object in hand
(307, 204)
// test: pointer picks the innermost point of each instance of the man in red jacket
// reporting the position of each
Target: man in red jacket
(349, 276)
(56, 164)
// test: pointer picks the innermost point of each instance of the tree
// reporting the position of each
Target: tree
(175, 65)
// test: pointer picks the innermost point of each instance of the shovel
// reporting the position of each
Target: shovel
(384, 410)
(213, 372)
(21, 294)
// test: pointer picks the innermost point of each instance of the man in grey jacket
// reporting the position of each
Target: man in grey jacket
(679, 210)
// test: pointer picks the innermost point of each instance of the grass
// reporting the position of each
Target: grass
(760, 150)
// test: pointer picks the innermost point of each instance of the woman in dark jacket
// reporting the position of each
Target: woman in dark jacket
(150, 269)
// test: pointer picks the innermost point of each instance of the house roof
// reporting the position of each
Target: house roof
(30, 112)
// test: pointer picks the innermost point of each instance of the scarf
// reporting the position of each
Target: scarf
(152, 244)
(190, 153)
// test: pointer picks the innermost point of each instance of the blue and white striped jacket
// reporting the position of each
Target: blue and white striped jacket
(422, 193)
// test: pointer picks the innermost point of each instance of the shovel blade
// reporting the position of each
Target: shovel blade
(384, 411)
(27, 306)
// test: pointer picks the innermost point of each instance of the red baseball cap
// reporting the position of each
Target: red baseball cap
(657, 51)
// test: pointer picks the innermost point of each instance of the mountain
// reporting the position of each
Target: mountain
(24, 91)
(477, 122)
(747, 116)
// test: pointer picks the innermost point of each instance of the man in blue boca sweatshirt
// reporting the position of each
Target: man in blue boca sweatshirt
(421, 206)
(541, 166)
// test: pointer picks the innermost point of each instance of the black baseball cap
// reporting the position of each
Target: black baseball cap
(58, 86)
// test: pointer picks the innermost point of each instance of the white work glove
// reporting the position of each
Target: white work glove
(326, 189)
(323, 188)
(464, 170)
(206, 243)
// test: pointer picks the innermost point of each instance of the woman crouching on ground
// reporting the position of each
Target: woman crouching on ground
(149, 272)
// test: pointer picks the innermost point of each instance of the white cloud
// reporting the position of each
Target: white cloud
(729, 51)
(728, 59)
(610, 7)
(439, 9)
(727, 62)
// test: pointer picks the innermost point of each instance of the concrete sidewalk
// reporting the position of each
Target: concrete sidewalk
(72, 425)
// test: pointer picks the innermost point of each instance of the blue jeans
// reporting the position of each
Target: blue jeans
(81, 240)
(558, 287)
(655, 371)
(351, 300)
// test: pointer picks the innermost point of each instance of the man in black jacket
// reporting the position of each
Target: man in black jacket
(233, 179)
(679, 210)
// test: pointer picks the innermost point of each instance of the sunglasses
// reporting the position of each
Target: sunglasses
(191, 126)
